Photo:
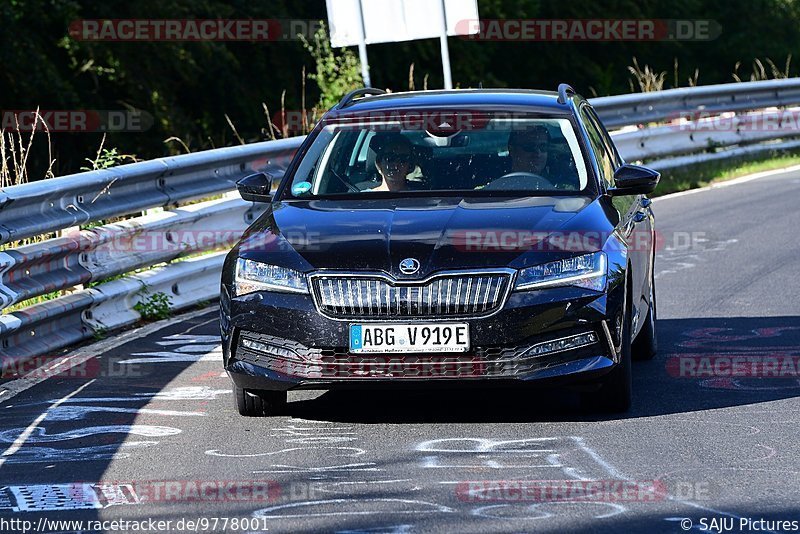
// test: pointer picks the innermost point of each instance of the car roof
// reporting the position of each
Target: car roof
(488, 99)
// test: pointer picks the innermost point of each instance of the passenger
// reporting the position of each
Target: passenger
(393, 160)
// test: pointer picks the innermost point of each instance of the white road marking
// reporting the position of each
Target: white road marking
(368, 466)
(480, 446)
(74, 496)
(174, 394)
(15, 387)
(40, 454)
(389, 529)
(620, 476)
(482, 511)
(186, 339)
(17, 443)
(351, 482)
(597, 458)
(338, 508)
(214, 355)
(356, 452)
(485, 445)
(150, 431)
(71, 412)
(322, 440)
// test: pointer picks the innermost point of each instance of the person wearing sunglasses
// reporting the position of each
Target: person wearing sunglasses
(529, 150)
(393, 160)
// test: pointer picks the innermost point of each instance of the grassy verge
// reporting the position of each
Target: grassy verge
(711, 172)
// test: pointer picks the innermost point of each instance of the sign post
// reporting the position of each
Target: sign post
(448, 78)
(362, 45)
(363, 22)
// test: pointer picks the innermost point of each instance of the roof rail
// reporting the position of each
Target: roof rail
(563, 90)
(350, 97)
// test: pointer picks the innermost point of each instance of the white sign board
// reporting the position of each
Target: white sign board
(389, 21)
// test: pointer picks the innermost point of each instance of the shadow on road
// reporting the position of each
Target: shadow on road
(93, 417)
(702, 364)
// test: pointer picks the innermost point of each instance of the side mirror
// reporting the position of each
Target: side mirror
(634, 180)
(256, 187)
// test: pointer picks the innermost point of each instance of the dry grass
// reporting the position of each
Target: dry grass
(307, 120)
(760, 72)
(647, 79)
(14, 151)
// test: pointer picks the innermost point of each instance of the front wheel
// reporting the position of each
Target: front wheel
(614, 396)
(252, 403)
(645, 346)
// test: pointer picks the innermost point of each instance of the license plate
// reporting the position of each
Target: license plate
(371, 338)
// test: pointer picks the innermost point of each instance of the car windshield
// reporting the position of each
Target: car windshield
(489, 155)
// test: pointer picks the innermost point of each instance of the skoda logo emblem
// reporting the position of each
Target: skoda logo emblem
(409, 266)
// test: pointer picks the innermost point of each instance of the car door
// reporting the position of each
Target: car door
(635, 223)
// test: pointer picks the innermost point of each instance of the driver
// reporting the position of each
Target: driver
(529, 150)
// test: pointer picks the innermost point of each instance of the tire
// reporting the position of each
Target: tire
(615, 393)
(259, 403)
(645, 346)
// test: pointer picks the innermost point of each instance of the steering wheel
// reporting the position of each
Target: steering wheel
(520, 181)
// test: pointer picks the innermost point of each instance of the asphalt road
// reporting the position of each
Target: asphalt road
(145, 429)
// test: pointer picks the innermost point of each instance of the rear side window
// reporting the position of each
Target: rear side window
(612, 149)
(605, 162)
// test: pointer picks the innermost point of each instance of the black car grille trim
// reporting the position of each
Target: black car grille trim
(376, 296)
(337, 363)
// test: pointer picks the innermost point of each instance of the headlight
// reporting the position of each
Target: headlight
(256, 276)
(587, 271)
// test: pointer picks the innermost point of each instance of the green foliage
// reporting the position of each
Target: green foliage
(100, 334)
(189, 87)
(107, 158)
(95, 283)
(153, 306)
(31, 302)
(336, 74)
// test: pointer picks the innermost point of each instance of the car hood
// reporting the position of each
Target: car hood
(441, 233)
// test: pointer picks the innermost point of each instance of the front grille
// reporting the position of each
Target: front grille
(448, 295)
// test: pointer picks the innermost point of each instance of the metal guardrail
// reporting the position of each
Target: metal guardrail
(684, 137)
(105, 251)
(95, 254)
(728, 153)
(50, 205)
(642, 108)
(43, 328)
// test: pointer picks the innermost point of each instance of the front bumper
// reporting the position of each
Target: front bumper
(298, 348)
